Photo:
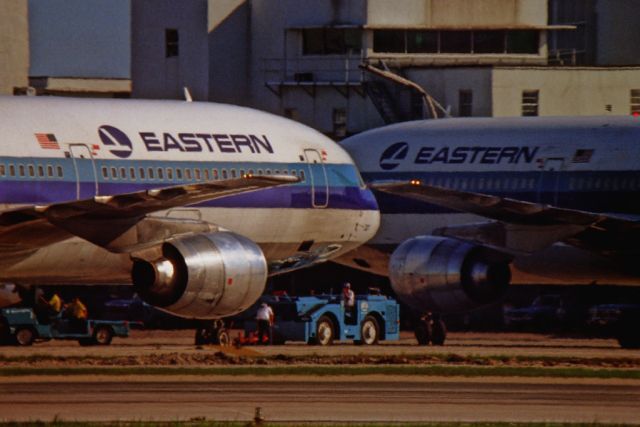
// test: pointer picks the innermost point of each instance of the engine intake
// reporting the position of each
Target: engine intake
(440, 274)
(203, 276)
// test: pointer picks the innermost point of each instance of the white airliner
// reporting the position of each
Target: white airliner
(93, 191)
(469, 205)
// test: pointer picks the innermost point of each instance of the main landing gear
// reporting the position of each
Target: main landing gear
(213, 332)
(430, 328)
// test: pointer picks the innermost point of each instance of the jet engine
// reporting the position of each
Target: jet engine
(443, 275)
(203, 276)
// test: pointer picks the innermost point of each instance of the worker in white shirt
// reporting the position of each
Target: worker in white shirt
(265, 318)
(349, 299)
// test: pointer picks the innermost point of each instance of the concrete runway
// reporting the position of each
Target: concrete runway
(372, 398)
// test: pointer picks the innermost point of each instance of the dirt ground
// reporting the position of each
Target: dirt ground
(177, 348)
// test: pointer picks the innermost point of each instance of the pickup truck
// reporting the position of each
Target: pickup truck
(21, 326)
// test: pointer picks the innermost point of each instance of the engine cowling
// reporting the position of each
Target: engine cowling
(440, 274)
(203, 276)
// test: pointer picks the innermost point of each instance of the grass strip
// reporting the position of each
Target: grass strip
(432, 370)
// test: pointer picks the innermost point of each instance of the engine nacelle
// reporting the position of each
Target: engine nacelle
(440, 274)
(203, 276)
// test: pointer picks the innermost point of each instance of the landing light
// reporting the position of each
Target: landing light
(415, 182)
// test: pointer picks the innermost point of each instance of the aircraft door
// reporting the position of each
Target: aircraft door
(549, 182)
(318, 177)
(85, 169)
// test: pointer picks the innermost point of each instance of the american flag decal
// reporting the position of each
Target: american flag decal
(582, 156)
(47, 141)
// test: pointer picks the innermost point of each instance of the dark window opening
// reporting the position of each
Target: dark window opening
(171, 42)
(522, 41)
(422, 41)
(635, 101)
(392, 41)
(530, 102)
(489, 42)
(465, 103)
(455, 41)
(330, 41)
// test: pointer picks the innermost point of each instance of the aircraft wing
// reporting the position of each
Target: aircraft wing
(522, 226)
(104, 219)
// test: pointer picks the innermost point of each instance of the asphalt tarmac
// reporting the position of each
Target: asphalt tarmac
(312, 399)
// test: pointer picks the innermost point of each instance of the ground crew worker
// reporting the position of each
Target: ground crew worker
(55, 304)
(349, 299)
(77, 312)
(265, 318)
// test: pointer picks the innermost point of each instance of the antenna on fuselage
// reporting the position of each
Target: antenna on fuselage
(187, 95)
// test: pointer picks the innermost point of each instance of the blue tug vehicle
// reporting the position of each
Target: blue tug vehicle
(323, 319)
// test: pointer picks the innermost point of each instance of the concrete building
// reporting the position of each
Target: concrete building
(169, 48)
(301, 58)
(14, 45)
(79, 48)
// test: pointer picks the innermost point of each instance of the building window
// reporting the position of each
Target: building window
(171, 42)
(635, 101)
(465, 103)
(391, 41)
(339, 122)
(530, 102)
(457, 41)
(331, 41)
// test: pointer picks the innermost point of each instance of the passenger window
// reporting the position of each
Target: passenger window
(60, 171)
(187, 174)
(132, 174)
(259, 171)
(114, 173)
(49, 171)
(141, 171)
(206, 174)
(12, 170)
(123, 173)
(160, 173)
(21, 170)
(268, 172)
(224, 174)
(2, 170)
(197, 173)
(294, 172)
(32, 171)
(151, 173)
(169, 173)
(105, 172)
(302, 176)
(178, 173)
(241, 173)
(276, 172)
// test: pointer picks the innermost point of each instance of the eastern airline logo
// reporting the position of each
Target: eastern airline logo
(392, 156)
(114, 137)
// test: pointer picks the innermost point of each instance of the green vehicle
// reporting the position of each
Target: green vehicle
(21, 326)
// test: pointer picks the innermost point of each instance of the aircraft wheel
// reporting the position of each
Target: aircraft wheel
(324, 331)
(102, 335)
(224, 339)
(369, 331)
(4, 331)
(438, 332)
(423, 331)
(25, 336)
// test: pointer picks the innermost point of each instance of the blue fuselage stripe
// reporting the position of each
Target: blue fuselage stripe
(594, 191)
(21, 182)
